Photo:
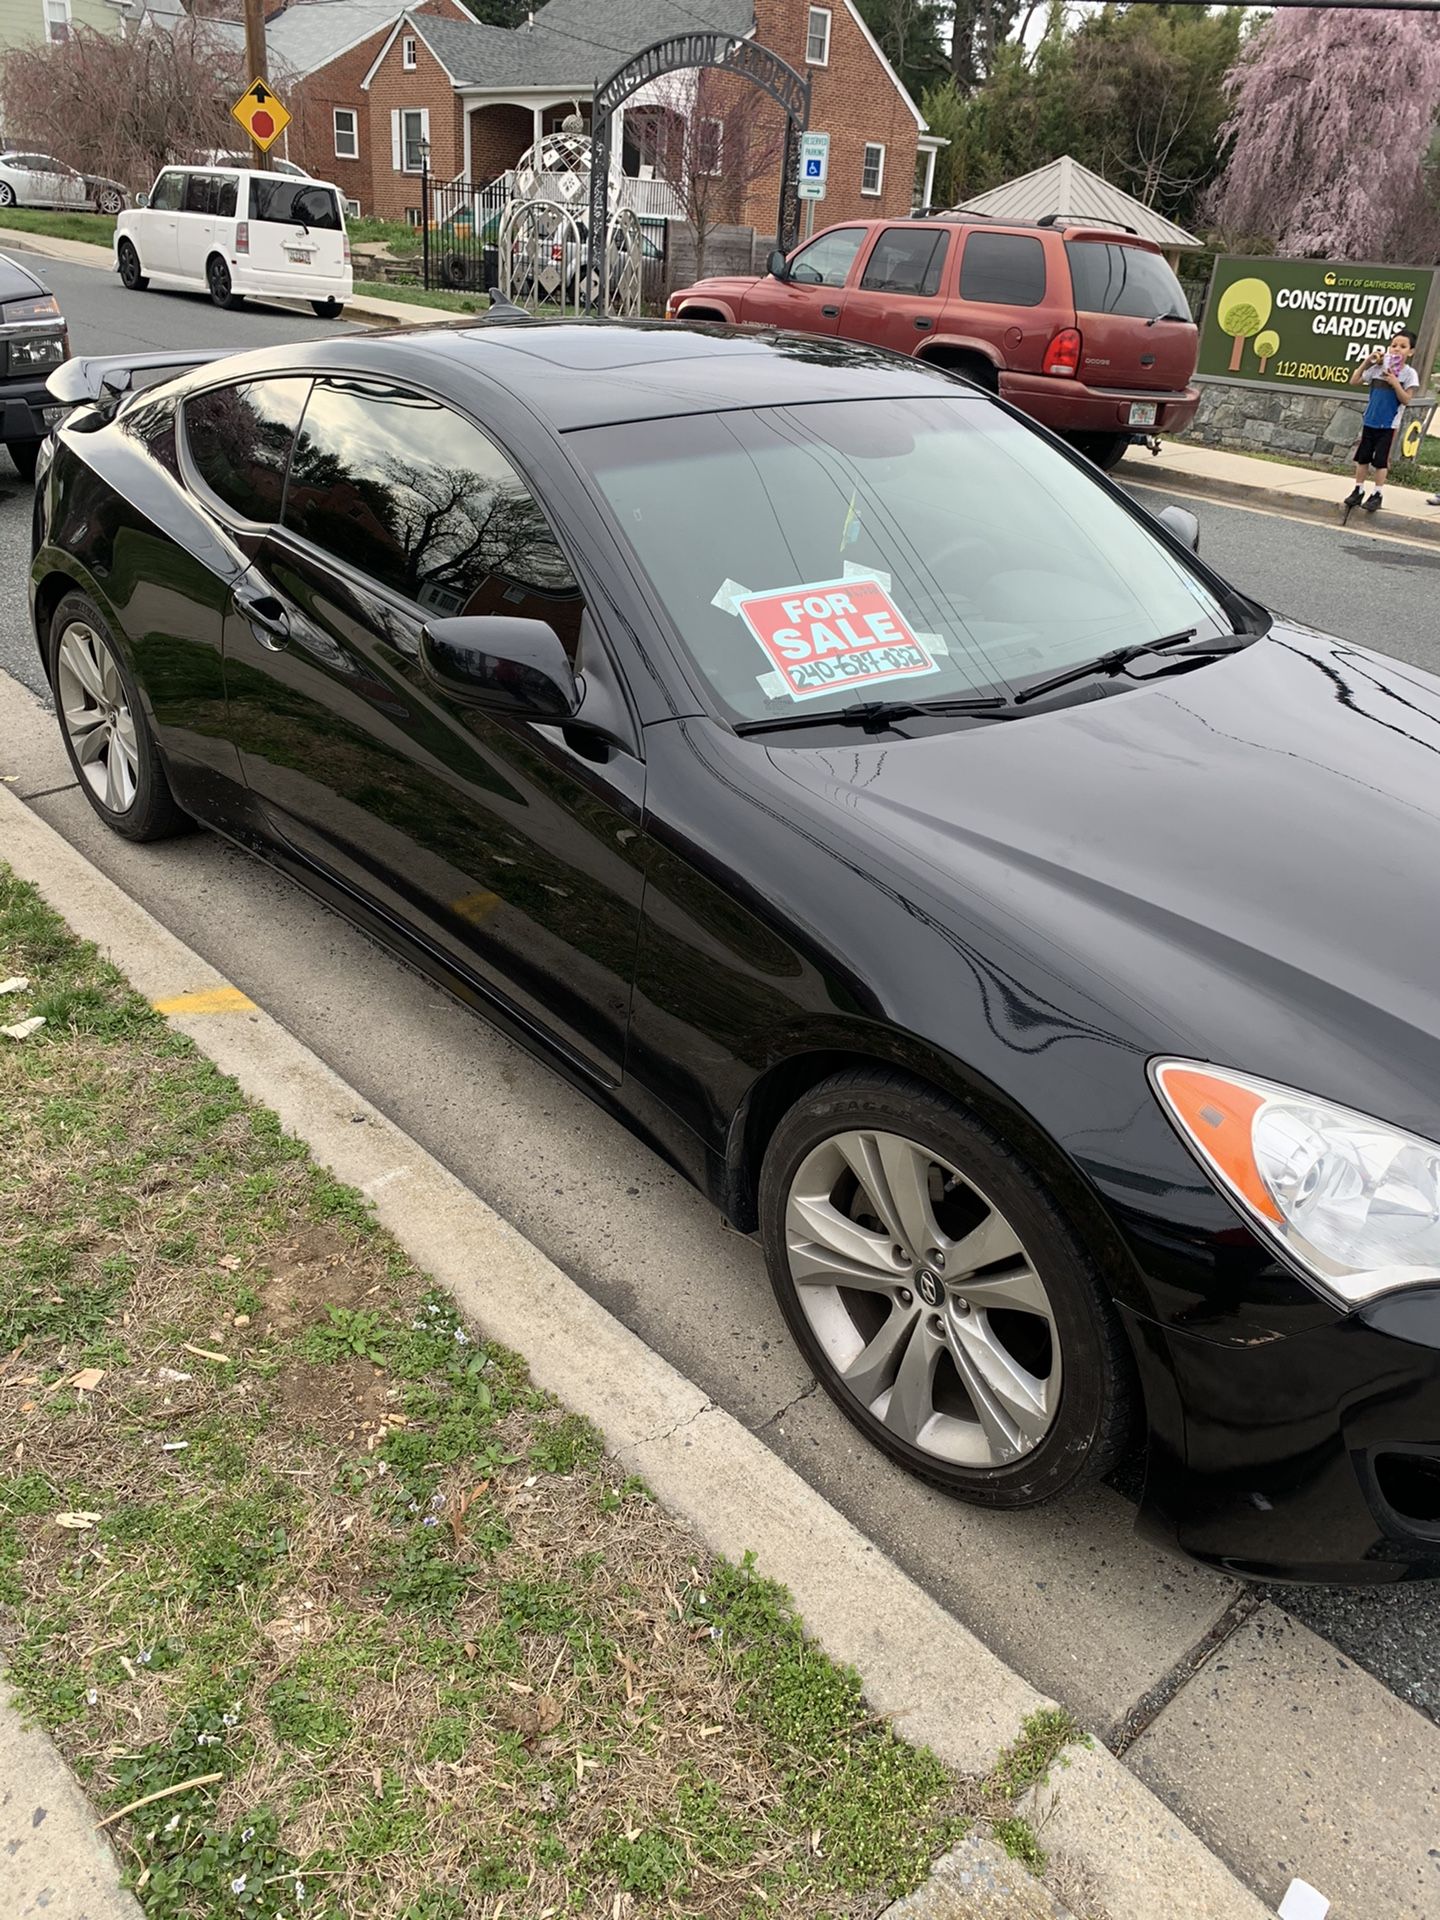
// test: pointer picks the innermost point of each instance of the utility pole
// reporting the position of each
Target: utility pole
(255, 61)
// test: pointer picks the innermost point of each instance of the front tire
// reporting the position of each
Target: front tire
(328, 309)
(24, 454)
(7, 194)
(104, 727)
(217, 279)
(131, 278)
(938, 1294)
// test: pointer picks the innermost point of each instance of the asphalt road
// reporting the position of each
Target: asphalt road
(603, 1208)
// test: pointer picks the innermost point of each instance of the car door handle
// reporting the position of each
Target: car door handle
(923, 324)
(830, 313)
(267, 617)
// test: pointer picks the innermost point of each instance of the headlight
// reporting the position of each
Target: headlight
(40, 350)
(1353, 1201)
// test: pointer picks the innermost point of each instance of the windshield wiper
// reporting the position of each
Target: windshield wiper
(1111, 662)
(874, 715)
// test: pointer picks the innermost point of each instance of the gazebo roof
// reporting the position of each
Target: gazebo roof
(1065, 190)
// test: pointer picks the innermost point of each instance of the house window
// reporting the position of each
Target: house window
(57, 19)
(817, 38)
(872, 171)
(409, 133)
(352, 209)
(407, 53)
(347, 134)
(709, 146)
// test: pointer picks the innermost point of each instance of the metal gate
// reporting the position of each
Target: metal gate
(535, 251)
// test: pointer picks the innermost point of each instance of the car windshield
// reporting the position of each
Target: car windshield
(893, 549)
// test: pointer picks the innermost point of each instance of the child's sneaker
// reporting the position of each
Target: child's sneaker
(1374, 503)
(1354, 497)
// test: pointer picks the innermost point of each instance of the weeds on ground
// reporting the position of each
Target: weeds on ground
(319, 1595)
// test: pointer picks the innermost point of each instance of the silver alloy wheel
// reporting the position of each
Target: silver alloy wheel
(96, 713)
(923, 1298)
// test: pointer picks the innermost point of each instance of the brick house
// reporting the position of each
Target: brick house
(481, 96)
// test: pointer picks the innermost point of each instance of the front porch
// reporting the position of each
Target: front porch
(500, 129)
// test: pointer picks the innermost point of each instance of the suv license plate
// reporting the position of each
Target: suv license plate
(1143, 413)
(304, 257)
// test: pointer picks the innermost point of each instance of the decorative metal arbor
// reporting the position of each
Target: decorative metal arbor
(681, 54)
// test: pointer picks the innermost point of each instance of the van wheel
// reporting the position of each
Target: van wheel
(217, 278)
(328, 309)
(1107, 450)
(131, 278)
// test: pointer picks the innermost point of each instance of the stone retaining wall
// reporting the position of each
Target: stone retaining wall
(1317, 426)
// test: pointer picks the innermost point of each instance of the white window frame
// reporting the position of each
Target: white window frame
(353, 115)
(715, 121)
(872, 146)
(51, 22)
(409, 53)
(399, 160)
(352, 209)
(817, 14)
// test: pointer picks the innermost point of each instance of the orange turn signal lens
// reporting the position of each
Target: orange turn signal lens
(1216, 1115)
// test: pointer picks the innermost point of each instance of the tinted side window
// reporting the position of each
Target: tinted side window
(1109, 278)
(907, 260)
(407, 492)
(240, 439)
(826, 261)
(293, 203)
(1003, 269)
(166, 195)
(202, 194)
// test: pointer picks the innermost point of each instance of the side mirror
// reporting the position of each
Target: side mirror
(1182, 524)
(502, 663)
(142, 200)
(777, 266)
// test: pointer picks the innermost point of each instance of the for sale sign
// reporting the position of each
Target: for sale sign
(830, 634)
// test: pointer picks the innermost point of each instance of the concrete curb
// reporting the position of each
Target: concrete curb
(57, 1867)
(920, 1666)
(82, 253)
(1277, 499)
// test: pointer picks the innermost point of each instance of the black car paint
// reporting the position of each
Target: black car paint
(696, 927)
(23, 393)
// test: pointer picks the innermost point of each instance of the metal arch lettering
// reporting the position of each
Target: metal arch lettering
(680, 53)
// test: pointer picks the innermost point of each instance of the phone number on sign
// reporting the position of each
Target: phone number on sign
(869, 663)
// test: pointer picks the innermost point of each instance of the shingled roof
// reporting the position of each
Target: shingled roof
(573, 42)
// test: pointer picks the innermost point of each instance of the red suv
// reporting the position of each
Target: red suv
(1085, 329)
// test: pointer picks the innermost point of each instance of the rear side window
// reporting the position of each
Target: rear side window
(168, 188)
(239, 439)
(907, 260)
(1003, 270)
(1111, 278)
(293, 203)
(402, 489)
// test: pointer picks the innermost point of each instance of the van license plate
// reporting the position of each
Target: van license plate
(304, 257)
(1143, 413)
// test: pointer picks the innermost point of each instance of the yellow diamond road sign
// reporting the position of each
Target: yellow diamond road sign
(260, 113)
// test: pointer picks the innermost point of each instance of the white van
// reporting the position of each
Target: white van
(233, 231)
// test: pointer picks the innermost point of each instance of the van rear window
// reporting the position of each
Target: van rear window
(294, 203)
(1110, 278)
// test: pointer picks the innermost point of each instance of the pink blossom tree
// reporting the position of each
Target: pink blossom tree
(1334, 114)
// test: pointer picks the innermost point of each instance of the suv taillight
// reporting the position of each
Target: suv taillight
(1062, 356)
(242, 236)
(345, 248)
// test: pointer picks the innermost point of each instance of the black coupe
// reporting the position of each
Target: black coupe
(1023, 933)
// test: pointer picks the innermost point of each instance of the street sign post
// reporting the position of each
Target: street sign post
(814, 165)
(261, 114)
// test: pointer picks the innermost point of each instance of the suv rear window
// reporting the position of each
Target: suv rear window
(294, 203)
(1003, 269)
(1109, 277)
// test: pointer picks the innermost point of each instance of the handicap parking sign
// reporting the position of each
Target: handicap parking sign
(812, 169)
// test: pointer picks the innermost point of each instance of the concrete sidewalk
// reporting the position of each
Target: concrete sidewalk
(81, 253)
(1214, 473)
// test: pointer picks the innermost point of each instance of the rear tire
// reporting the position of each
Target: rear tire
(7, 194)
(104, 726)
(110, 200)
(970, 366)
(1105, 450)
(222, 288)
(328, 309)
(131, 278)
(939, 1295)
(24, 453)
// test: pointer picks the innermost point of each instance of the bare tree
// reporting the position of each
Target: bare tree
(123, 106)
(712, 137)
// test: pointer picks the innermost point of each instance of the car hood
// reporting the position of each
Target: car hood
(724, 286)
(1245, 852)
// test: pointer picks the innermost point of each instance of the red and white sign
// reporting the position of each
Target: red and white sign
(831, 634)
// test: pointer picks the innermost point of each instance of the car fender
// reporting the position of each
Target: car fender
(725, 308)
(961, 343)
(53, 574)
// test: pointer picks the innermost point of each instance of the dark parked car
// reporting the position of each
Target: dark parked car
(1085, 329)
(1026, 936)
(33, 342)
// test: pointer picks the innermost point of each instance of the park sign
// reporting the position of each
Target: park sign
(1304, 323)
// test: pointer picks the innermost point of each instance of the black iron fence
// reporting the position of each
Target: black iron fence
(459, 233)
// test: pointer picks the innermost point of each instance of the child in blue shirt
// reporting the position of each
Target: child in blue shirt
(1391, 380)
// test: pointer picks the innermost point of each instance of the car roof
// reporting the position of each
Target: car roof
(587, 373)
(17, 281)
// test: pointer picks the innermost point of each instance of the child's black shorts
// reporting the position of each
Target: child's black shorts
(1374, 447)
